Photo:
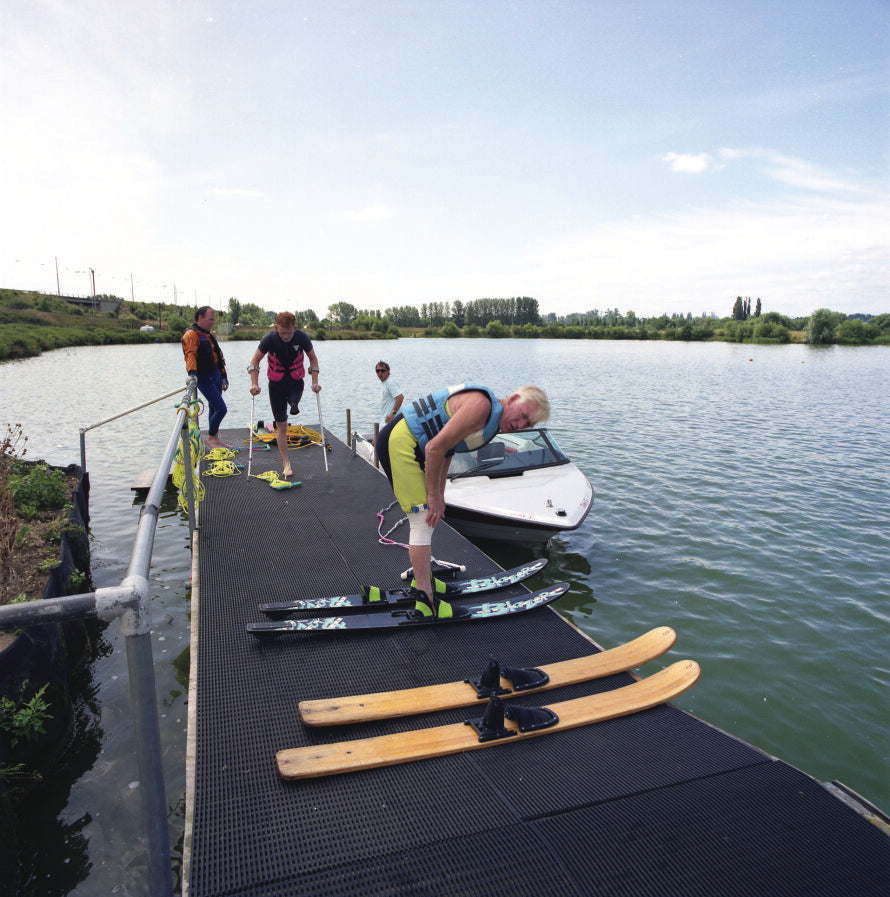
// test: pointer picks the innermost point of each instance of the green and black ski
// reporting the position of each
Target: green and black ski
(411, 618)
(501, 723)
(496, 680)
(372, 597)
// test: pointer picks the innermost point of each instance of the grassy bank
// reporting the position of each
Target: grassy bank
(31, 323)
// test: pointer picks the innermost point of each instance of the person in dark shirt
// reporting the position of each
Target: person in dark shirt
(286, 348)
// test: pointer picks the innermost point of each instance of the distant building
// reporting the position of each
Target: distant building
(99, 303)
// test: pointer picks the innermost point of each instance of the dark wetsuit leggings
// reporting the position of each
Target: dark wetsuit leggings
(282, 393)
(211, 388)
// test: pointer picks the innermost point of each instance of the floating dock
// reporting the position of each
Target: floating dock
(658, 803)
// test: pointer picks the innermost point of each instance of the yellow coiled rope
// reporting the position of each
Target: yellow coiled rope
(222, 469)
(297, 436)
(196, 447)
(220, 454)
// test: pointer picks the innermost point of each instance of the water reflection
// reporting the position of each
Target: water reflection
(44, 831)
(564, 565)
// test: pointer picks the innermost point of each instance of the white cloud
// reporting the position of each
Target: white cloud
(688, 163)
(796, 255)
(791, 170)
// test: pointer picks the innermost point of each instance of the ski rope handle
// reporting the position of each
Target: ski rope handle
(384, 537)
(385, 540)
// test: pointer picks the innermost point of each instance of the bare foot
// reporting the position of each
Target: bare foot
(215, 442)
(287, 472)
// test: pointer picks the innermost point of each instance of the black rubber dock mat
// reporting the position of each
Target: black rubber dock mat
(658, 803)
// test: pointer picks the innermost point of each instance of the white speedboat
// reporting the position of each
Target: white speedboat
(520, 487)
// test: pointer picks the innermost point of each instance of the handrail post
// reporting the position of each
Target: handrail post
(136, 628)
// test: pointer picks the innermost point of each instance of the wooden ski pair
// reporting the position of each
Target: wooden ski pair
(500, 722)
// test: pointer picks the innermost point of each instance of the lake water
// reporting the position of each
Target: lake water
(742, 497)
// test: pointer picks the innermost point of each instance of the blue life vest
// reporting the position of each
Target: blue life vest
(427, 416)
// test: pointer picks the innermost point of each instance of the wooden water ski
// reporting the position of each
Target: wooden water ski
(404, 747)
(430, 698)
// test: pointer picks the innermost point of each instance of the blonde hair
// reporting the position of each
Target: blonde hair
(539, 397)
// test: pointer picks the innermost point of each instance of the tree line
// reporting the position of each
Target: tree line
(32, 322)
(520, 317)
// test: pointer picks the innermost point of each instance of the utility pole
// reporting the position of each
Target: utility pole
(58, 286)
(93, 288)
(132, 291)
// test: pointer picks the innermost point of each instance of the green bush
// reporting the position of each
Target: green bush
(37, 489)
(24, 720)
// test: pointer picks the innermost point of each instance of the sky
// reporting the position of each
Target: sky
(655, 156)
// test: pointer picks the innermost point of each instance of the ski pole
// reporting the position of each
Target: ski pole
(250, 450)
(324, 451)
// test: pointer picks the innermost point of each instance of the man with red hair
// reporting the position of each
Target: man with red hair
(286, 347)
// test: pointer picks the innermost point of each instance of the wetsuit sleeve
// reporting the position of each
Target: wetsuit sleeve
(304, 340)
(190, 351)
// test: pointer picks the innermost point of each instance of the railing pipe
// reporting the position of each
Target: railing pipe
(49, 610)
(108, 420)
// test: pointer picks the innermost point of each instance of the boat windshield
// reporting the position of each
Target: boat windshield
(509, 454)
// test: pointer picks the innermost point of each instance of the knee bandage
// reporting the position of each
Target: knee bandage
(420, 532)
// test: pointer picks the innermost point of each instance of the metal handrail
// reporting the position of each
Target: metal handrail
(108, 420)
(130, 602)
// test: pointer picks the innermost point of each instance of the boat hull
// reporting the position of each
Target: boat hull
(524, 506)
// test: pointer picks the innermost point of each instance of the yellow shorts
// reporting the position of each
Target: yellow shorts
(407, 476)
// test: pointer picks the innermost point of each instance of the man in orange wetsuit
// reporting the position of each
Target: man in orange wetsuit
(206, 368)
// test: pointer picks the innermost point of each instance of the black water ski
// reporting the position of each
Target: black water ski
(409, 619)
(371, 598)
